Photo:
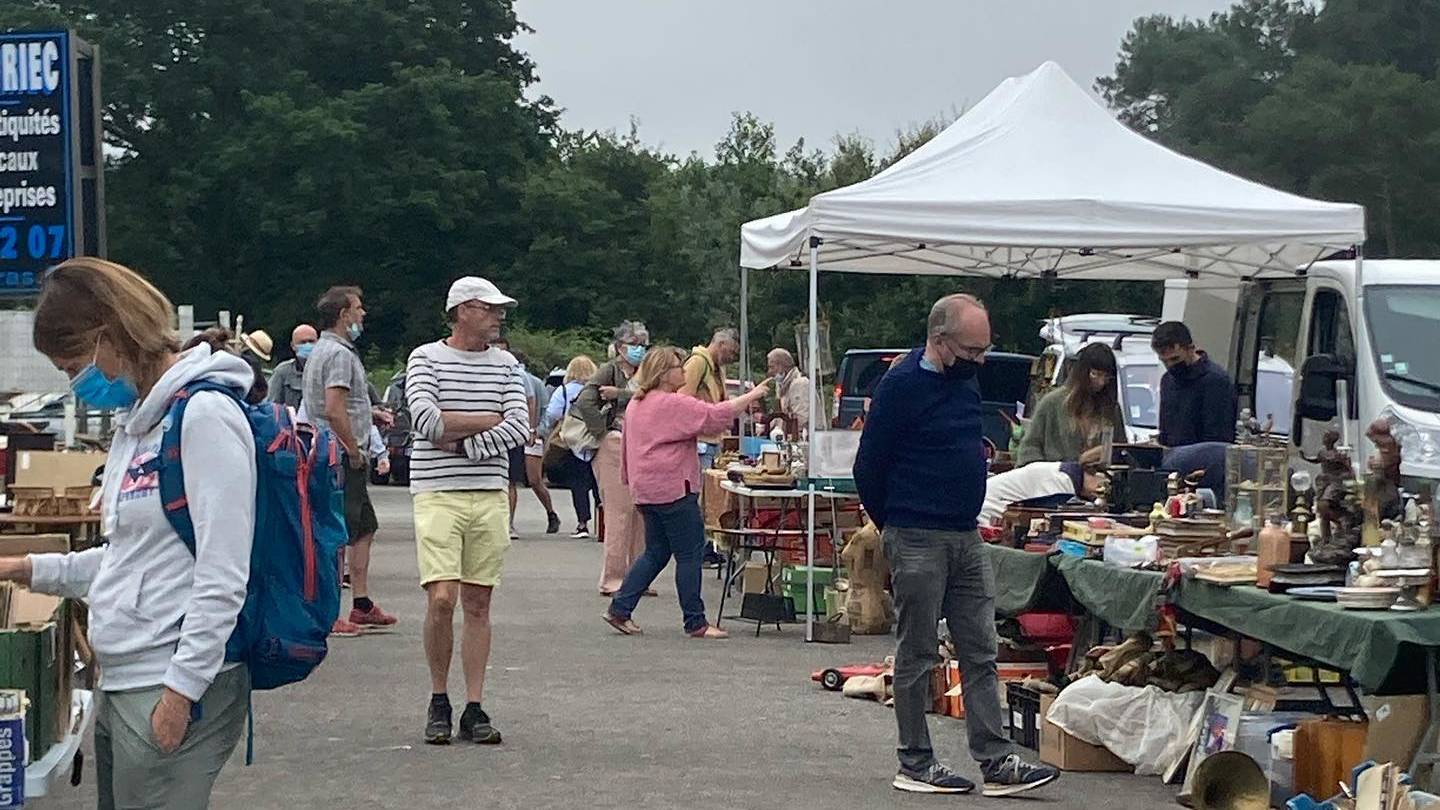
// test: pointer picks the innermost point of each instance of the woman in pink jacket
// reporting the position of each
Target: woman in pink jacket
(661, 469)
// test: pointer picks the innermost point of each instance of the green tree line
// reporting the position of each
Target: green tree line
(261, 152)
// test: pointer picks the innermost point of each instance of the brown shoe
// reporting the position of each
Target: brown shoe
(625, 626)
(710, 631)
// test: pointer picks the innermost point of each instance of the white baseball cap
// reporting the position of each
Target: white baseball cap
(474, 288)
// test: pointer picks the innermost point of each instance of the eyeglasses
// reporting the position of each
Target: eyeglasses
(971, 352)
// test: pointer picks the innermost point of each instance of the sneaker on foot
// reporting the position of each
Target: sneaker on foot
(374, 617)
(1013, 775)
(514, 535)
(344, 628)
(582, 532)
(437, 724)
(475, 727)
(552, 524)
(934, 779)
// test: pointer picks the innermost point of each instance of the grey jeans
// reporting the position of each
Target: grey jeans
(944, 574)
(132, 774)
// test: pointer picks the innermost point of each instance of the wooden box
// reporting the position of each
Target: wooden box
(37, 654)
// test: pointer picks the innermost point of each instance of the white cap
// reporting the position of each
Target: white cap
(474, 288)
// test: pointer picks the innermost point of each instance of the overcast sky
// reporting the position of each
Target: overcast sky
(814, 68)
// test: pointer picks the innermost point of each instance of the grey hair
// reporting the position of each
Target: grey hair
(945, 314)
(729, 334)
(628, 330)
(784, 355)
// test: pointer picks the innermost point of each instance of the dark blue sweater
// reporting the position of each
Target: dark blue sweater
(921, 462)
(1197, 404)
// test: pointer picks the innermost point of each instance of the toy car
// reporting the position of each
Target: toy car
(833, 678)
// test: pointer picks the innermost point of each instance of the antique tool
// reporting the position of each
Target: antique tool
(1230, 780)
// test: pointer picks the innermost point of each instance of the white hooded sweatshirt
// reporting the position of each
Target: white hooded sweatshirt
(158, 614)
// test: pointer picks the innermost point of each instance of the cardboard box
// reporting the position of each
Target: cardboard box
(37, 655)
(13, 756)
(18, 545)
(1397, 725)
(56, 470)
(754, 575)
(1069, 753)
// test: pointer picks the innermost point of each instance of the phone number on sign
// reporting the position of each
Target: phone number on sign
(40, 242)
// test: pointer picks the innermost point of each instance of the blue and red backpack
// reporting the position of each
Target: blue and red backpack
(293, 596)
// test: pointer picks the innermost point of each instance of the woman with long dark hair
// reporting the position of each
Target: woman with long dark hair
(1078, 415)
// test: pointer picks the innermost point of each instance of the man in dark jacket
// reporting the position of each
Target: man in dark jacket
(1197, 397)
(920, 472)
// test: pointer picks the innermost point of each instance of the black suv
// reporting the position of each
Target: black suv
(1004, 381)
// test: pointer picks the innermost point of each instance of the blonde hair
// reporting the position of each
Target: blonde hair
(657, 363)
(85, 298)
(580, 369)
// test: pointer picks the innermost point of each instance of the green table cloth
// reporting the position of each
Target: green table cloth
(1383, 650)
(1122, 597)
(1020, 578)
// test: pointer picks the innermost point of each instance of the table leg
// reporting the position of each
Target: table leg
(725, 588)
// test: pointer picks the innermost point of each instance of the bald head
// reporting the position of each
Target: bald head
(959, 322)
(304, 333)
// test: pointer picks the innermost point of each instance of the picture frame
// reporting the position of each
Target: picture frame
(1219, 726)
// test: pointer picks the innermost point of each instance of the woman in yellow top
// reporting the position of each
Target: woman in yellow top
(1078, 415)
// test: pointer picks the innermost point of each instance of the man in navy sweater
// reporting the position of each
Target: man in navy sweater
(920, 471)
(1197, 398)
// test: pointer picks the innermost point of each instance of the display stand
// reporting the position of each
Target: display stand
(62, 761)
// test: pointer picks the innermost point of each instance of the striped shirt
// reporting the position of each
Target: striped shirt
(440, 378)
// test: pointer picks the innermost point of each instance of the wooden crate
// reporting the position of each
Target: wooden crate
(37, 654)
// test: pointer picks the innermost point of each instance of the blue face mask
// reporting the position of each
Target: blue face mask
(634, 354)
(303, 351)
(354, 330)
(99, 391)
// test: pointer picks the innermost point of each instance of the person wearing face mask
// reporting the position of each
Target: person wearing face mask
(792, 389)
(601, 406)
(1079, 415)
(920, 473)
(1197, 397)
(169, 708)
(287, 382)
(337, 396)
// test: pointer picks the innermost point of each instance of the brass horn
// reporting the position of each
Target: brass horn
(1230, 780)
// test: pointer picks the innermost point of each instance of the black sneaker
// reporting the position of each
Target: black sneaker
(552, 525)
(437, 725)
(935, 779)
(1013, 775)
(475, 727)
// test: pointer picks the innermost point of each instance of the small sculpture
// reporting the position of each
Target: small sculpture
(1331, 490)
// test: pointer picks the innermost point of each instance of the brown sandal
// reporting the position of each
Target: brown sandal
(624, 626)
(710, 632)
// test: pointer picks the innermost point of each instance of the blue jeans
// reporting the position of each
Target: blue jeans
(671, 529)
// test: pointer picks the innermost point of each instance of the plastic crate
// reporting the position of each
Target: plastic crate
(1024, 709)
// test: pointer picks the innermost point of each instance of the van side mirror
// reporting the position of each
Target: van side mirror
(1317, 399)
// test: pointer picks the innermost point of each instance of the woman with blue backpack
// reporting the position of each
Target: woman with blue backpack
(171, 707)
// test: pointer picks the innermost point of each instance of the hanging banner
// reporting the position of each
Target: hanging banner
(37, 161)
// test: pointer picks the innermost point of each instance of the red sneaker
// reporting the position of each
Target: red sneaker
(344, 628)
(374, 617)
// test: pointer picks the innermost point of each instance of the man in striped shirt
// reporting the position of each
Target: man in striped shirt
(467, 403)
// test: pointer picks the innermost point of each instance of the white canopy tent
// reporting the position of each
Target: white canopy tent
(1040, 180)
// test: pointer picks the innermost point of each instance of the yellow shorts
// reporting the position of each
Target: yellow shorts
(462, 535)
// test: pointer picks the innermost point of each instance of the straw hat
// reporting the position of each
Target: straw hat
(259, 343)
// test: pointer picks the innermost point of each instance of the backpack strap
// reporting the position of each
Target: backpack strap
(171, 464)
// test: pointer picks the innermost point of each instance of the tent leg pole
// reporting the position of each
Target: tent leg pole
(744, 341)
(814, 367)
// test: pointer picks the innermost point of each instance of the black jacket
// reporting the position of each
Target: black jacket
(1197, 404)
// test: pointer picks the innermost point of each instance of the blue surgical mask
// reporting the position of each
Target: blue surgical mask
(303, 351)
(99, 391)
(354, 330)
(634, 354)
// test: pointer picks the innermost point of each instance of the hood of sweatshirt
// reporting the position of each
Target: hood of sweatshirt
(1194, 371)
(198, 363)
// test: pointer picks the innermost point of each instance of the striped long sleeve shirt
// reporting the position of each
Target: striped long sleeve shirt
(440, 378)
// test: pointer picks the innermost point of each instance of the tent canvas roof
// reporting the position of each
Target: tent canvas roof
(1040, 179)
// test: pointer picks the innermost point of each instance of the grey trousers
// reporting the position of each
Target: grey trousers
(132, 774)
(944, 574)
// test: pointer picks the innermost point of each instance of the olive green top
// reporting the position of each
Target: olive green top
(1053, 436)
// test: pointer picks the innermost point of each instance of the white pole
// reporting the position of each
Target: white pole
(744, 342)
(814, 364)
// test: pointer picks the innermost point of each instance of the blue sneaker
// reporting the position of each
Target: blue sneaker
(933, 779)
(1013, 775)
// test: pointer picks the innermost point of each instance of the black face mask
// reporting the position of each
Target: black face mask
(961, 369)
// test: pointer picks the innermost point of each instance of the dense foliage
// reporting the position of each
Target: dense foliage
(260, 153)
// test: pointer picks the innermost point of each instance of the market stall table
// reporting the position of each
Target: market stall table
(1021, 578)
(748, 537)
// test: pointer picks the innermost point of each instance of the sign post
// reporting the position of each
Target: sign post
(52, 190)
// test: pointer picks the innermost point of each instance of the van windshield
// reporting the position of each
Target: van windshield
(1140, 394)
(1402, 320)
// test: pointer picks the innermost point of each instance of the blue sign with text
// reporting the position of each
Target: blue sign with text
(36, 158)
